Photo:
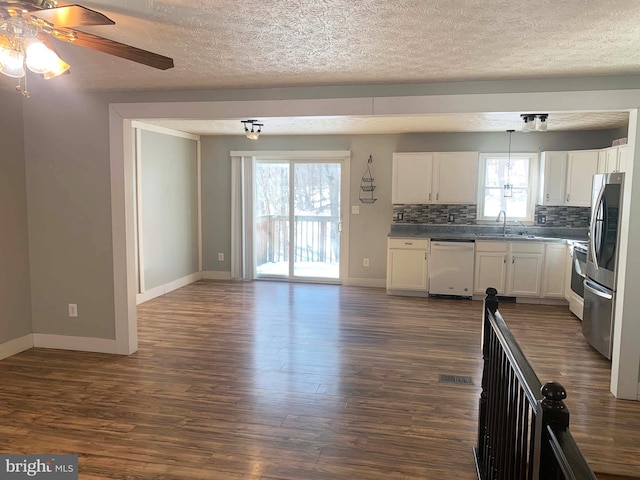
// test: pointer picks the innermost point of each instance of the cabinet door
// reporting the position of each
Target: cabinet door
(602, 161)
(407, 269)
(623, 152)
(612, 160)
(490, 271)
(553, 174)
(525, 271)
(553, 280)
(455, 177)
(411, 178)
(581, 166)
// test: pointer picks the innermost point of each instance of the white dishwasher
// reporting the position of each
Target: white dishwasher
(451, 268)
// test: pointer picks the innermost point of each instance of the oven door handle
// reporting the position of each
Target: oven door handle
(596, 291)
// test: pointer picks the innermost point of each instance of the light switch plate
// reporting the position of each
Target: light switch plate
(355, 209)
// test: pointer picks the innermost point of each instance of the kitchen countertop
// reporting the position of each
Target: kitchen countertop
(515, 232)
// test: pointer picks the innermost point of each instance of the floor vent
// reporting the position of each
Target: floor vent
(455, 379)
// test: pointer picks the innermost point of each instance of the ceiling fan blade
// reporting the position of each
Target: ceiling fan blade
(117, 49)
(72, 16)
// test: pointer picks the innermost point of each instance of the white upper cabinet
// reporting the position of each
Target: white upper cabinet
(434, 177)
(455, 177)
(613, 159)
(553, 178)
(411, 178)
(566, 177)
(581, 166)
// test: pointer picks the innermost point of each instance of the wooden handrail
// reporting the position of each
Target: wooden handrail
(523, 426)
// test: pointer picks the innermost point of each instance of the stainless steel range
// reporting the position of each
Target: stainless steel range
(578, 274)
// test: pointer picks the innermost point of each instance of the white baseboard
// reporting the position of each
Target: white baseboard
(169, 287)
(66, 342)
(365, 282)
(17, 345)
(213, 275)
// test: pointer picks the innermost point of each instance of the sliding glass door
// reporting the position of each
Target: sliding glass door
(297, 219)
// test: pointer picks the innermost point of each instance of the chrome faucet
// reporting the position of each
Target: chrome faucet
(524, 232)
(504, 222)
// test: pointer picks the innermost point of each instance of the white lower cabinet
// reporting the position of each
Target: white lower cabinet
(553, 280)
(407, 265)
(491, 267)
(512, 268)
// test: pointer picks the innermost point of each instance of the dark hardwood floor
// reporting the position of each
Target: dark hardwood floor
(277, 381)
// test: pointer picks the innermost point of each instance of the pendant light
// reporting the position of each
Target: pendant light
(508, 187)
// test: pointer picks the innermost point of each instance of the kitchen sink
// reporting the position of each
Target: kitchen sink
(516, 236)
(507, 235)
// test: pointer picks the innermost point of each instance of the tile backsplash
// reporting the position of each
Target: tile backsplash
(575, 217)
(563, 216)
(435, 214)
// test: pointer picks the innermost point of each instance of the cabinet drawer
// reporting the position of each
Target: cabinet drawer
(491, 246)
(409, 243)
(527, 247)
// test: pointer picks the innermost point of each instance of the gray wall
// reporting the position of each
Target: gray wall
(69, 201)
(368, 230)
(15, 301)
(169, 184)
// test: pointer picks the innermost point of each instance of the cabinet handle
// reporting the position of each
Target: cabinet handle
(408, 243)
(425, 255)
(429, 196)
(504, 259)
(547, 196)
(437, 196)
(513, 260)
(567, 197)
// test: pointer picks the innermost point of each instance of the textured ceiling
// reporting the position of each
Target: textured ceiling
(280, 43)
(270, 43)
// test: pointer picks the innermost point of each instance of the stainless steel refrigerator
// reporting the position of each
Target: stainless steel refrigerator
(602, 261)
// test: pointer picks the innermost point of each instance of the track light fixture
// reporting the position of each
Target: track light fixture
(534, 122)
(254, 132)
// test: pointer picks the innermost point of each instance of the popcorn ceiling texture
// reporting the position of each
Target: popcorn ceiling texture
(575, 217)
(276, 43)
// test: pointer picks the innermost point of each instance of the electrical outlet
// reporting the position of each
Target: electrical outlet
(400, 216)
(365, 262)
(73, 309)
(221, 257)
(542, 219)
(355, 209)
(452, 218)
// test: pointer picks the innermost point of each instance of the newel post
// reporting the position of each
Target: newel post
(556, 415)
(490, 305)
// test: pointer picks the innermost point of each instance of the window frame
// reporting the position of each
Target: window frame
(532, 185)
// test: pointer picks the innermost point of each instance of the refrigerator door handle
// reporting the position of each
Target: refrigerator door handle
(596, 291)
(592, 234)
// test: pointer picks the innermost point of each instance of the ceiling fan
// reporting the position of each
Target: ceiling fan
(26, 30)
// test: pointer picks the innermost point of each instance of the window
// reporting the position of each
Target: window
(497, 170)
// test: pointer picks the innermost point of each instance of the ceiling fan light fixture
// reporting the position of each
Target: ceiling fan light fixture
(39, 58)
(11, 62)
